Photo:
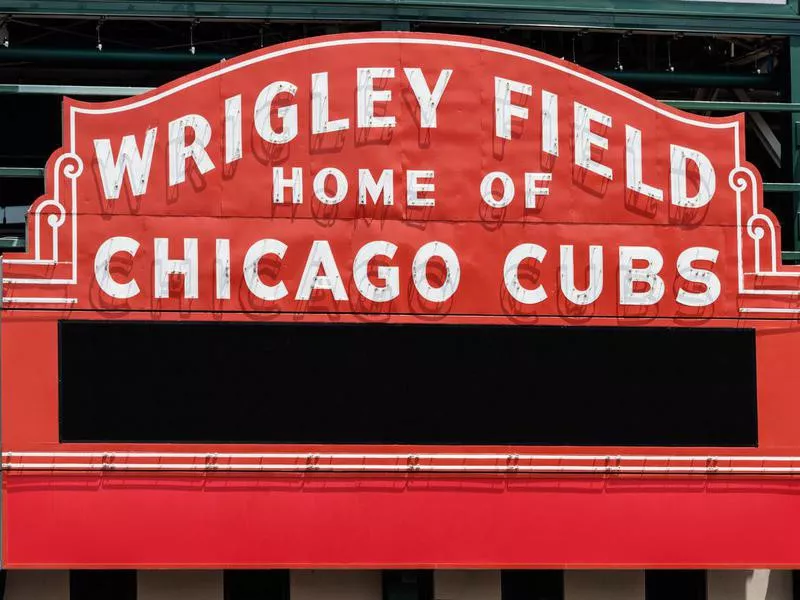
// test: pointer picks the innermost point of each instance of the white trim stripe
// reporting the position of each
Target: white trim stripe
(20, 300)
(770, 310)
(399, 463)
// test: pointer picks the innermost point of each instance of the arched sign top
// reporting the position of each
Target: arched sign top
(334, 174)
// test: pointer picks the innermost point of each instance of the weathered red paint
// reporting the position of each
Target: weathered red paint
(313, 520)
(56, 519)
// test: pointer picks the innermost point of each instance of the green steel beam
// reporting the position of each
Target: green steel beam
(28, 172)
(395, 26)
(11, 241)
(695, 80)
(640, 15)
(70, 55)
(781, 187)
(714, 106)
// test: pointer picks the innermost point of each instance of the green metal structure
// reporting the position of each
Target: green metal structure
(652, 15)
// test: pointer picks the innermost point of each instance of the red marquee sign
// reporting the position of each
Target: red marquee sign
(397, 178)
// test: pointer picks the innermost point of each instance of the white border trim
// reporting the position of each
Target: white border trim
(21, 300)
(400, 463)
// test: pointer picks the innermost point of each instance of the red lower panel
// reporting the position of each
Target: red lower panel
(223, 520)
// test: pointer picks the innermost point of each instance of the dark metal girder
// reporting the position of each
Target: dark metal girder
(667, 15)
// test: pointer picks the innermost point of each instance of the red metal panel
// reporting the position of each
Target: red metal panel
(678, 186)
(301, 521)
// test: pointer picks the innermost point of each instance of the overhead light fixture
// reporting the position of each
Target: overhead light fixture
(4, 37)
(670, 66)
(193, 24)
(99, 45)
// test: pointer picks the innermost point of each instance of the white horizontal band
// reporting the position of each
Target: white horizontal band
(21, 300)
(770, 310)
(408, 462)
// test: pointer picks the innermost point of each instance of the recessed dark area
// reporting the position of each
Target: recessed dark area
(406, 384)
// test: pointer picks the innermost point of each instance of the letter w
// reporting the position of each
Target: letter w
(130, 160)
